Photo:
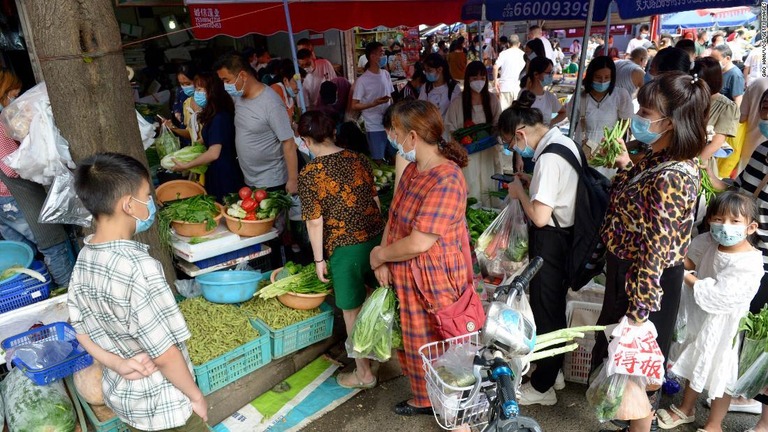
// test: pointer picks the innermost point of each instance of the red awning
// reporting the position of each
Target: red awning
(238, 18)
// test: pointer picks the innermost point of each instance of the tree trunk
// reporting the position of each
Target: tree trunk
(79, 48)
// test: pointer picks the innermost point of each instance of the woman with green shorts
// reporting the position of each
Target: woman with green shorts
(340, 204)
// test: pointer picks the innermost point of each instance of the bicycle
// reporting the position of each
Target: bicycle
(499, 364)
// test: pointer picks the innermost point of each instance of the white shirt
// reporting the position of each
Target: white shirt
(362, 61)
(614, 106)
(511, 63)
(719, 299)
(323, 72)
(548, 51)
(635, 43)
(369, 87)
(439, 96)
(548, 104)
(554, 180)
(754, 62)
(737, 49)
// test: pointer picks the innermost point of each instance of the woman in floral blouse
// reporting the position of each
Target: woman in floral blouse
(340, 204)
(650, 215)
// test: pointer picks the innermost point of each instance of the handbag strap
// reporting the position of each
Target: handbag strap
(760, 187)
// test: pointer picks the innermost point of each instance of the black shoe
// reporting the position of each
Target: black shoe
(406, 409)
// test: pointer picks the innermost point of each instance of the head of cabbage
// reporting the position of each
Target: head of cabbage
(187, 154)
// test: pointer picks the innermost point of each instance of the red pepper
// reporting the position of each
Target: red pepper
(249, 205)
(250, 217)
(469, 123)
(467, 140)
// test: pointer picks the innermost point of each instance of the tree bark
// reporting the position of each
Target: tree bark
(79, 48)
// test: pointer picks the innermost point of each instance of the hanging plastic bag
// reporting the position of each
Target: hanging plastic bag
(617, 396)
(751, 350)
(517, 250)
(147, 131)
(754, 379)
(166, 143)
(17, 116)
(634, 351)
(62, 205)
(680, 332)
(503, 247)
(372, 334)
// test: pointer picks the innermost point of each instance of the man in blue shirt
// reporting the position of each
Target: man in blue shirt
(733, 79)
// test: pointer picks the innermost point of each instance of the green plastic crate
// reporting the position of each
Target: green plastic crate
(302, 334)
(235, 364)
(112, 425)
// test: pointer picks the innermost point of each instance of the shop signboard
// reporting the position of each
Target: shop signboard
(412, 44)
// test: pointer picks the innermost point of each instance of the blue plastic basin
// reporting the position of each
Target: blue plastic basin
(14, 254)
(229, 286)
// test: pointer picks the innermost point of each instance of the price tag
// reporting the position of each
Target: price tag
(36, 294)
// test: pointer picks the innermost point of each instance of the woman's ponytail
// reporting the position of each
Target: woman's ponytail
(453, 151)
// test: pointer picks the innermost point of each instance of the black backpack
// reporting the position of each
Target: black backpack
(586, 258)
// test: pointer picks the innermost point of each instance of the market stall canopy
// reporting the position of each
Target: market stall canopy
(237, 18)
(706, 18)
(522, 10)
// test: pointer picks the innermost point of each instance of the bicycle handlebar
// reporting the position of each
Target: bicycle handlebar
(521, 281)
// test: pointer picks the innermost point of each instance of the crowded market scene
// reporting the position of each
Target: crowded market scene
(331, 215)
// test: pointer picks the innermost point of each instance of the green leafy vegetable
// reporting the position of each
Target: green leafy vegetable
(196, 209)
(187, 154)
(372, 334)
(304, 282)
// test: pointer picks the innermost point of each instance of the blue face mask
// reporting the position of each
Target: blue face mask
(409, 156)
(188, 90)
(392, 142)
(764, 128)
(431, 76)
(201, 99)
(641, 130)
(289, 90)
(382, 62)
(144, 224)
(727, 234)
(547, 81)
(527, 152)
(601, 87)
(231, 88)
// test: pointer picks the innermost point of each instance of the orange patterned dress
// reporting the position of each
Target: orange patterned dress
(433, 202)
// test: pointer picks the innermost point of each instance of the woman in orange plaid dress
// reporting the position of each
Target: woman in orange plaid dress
(420, 254)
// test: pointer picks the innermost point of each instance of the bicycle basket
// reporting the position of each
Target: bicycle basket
(453, 405)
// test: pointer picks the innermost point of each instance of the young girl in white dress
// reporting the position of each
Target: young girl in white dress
(725, 272)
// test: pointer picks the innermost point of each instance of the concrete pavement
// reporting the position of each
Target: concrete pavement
(371, 411)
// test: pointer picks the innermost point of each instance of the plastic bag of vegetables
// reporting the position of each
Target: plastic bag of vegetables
(166, 143)
(187, 154)
(754, 379)
(507, 236)
(372, 334)
(618, 396)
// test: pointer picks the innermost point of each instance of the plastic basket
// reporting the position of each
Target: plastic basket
(61, 331)
(25, 297)
(447, 399)
(577, 363)
(483, 144)
(235, 364)
(111, 425)
(26, 281)
(302, 334)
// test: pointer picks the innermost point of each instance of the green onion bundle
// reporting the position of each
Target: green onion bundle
(372, 334)
(610, 148)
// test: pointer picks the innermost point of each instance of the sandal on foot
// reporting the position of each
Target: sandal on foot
(406, 409)
(666, 421)
(359, 384)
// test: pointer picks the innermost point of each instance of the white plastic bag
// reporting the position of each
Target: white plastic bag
(189, 288)
(17, 116)
(147, 131)
(43, 150)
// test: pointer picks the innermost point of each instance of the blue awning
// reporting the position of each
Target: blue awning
(706, 18)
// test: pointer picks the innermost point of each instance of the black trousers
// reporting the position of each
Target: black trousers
(616, 303)
(548, 291)
(761, 298)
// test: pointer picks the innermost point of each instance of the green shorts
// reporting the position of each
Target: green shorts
(350, 270)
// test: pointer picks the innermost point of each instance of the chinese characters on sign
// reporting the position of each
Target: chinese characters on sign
(634, 351)
(206, 17)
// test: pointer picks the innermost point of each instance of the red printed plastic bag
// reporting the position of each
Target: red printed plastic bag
(634, 351)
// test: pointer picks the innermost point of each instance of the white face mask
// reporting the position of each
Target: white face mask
(477, 86)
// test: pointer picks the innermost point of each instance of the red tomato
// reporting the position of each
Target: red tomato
(249, 205)
(260, 195)
(466, 140)
(245, 192)
(250, 217)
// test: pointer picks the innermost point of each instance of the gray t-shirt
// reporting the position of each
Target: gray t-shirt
(261, 124)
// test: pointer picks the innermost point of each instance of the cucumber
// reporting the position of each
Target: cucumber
(33, 408)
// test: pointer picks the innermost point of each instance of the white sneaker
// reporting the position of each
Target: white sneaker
(529, 396)
(560, 381)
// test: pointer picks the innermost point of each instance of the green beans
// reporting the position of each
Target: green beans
(707, 188)
(216, 329)
(610, 148)
(275, 314)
